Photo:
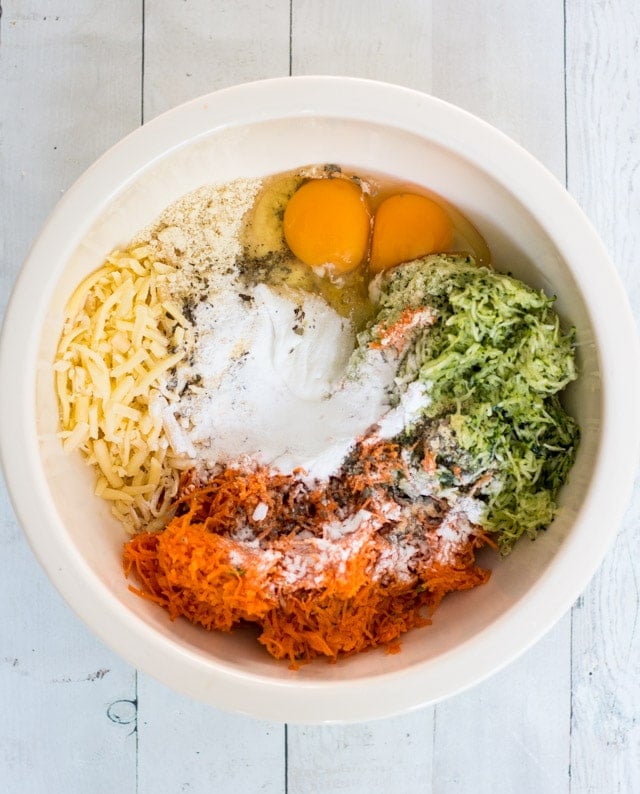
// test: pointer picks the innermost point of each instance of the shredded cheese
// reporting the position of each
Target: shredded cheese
(121, 335)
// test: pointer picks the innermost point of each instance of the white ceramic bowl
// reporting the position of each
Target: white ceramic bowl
(534, 229)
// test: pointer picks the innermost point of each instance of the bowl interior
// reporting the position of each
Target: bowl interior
(518, 243)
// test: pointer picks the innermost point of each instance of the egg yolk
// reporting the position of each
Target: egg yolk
(407, 226)
(327, 222)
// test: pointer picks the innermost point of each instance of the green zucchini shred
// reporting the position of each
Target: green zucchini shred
(494, 363)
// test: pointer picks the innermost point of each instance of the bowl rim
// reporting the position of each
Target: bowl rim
(293, 699)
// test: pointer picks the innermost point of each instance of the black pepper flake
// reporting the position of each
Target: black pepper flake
(187, 310)
(245, 298)
(269, 269)
(331, 169)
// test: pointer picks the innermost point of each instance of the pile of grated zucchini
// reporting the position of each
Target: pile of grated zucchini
(492, 365)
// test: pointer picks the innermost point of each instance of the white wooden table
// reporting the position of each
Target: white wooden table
(563, 79)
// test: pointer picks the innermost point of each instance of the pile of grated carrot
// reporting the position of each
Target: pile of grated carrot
(251, 547)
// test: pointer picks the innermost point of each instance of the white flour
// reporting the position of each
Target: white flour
(273, 383)
(266, 380)
(264, 374)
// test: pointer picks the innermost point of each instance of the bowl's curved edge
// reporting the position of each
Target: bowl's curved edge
(259, 696)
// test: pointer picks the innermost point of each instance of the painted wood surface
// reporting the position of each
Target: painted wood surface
(603, 97)
(563, 80)
(66, 701)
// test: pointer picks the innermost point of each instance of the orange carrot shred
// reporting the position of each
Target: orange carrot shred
(222, 563)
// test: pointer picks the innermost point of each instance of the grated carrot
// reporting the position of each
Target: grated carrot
(308, 595)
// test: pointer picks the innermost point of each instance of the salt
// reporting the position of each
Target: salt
(281, 398)
(260, 513)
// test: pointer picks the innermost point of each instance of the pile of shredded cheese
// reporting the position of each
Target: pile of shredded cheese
(124, 341)
(120, 337)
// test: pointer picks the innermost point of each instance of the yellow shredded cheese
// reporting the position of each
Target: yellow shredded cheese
(118, 340)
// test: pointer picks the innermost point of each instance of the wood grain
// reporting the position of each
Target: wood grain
(479, 57)
(204, 750)
(190, 49)
(375, 40)
(70, 89)
(603, 93)
(563, 718)
(194, 47)
(375, 757)
(508, 69)
(511, 732)
(503, 60)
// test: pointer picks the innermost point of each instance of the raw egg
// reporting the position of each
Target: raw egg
(407, 226)
(327, 222)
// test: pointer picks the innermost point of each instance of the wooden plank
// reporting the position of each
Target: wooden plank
(72, 94)
(603, 96)
(362, 39)
(504, 61)
(374, 757)
(64, 101)
(202, 749)
(605, 734)
(457, 51)
(509, 733)
(190, 49)
(194, 47)
(376, 40)
(68, 717)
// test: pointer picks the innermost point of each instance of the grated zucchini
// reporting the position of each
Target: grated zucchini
(493, 363)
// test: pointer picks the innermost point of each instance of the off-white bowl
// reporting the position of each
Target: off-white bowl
(534, 230)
